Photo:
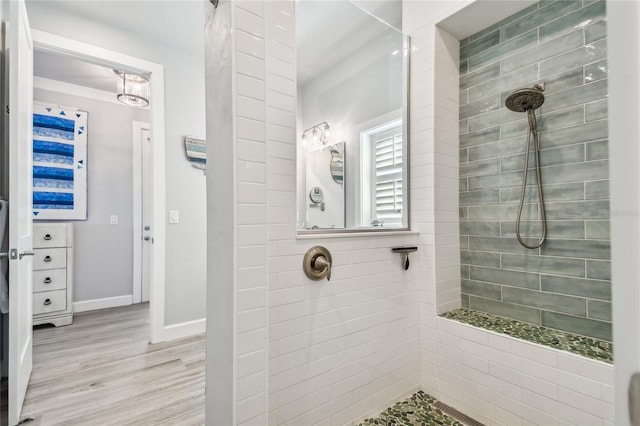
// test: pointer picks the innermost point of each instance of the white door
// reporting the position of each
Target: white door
(20, 207)
(142, 211)
(147, 210)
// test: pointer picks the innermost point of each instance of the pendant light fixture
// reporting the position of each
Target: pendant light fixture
(132, 89)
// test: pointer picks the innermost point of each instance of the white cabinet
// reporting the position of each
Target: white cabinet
(53, 273)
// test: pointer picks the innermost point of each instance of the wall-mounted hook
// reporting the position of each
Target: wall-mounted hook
(317, 263)
(405, 254)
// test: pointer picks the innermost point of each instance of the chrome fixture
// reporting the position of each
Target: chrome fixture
(132, 89)
(316, 137)
(317, 263)
(15, 254)
(316, 195)
(528, 100)
(405, 254)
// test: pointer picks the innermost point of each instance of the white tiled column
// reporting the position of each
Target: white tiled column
(221, 212)
(250, 115)
(237, 274)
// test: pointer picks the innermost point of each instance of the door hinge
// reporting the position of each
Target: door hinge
(13, 254)
(7, 107)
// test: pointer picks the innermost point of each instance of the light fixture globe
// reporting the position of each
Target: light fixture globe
(319, 135)
(132, 89)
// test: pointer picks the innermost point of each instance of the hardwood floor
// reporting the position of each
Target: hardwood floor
(102, 371)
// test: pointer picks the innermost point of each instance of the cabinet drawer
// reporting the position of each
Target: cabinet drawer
(49, 301)
(49, 235)
(49, 279)
(54, 258)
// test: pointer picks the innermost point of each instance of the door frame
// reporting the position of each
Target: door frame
(52, 43)
(138, 159)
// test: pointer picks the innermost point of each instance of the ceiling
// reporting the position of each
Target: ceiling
(327, 32)
(168, 22)
(152, 19)
(72, 70)
(480, 15)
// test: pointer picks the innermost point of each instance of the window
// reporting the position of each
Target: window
(388, 176)
(382, 150)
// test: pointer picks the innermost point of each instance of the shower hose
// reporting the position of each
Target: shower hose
(533, 131)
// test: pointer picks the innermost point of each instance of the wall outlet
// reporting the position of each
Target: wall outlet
(113, 219)
(174, 216)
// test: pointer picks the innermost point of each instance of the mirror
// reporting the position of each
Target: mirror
(336, 166)
(325, 187)
(351, 117)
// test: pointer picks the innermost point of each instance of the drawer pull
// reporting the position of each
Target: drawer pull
(47, 237)
(47, 259)
(47, 301)
(47, 280)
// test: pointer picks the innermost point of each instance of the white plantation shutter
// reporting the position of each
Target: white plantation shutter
(388, 189)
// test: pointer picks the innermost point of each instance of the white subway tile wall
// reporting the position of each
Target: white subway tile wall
(337, 352)
(251, 206)
(340, 350)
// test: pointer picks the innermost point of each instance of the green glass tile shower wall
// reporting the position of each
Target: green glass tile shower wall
(566, 283)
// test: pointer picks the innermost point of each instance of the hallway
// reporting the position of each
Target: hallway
(102, 370)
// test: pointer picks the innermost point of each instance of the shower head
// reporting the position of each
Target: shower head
(523, 100)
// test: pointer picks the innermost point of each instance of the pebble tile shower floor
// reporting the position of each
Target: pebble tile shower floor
(418, 409)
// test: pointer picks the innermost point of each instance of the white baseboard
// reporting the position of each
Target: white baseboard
(185, 329)
(107, 302)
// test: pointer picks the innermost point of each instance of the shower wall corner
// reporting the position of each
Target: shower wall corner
(468, 367)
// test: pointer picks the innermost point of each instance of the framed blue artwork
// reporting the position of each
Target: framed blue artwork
(59, 163)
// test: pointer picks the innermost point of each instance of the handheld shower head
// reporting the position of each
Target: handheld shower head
(523, 100)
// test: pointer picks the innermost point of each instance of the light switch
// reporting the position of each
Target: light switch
(174, 216)
(114, 219)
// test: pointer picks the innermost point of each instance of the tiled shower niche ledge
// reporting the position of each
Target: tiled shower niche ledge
(580, 345)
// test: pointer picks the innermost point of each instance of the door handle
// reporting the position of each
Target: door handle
(15, 254)
(147, 238)
(23, 253)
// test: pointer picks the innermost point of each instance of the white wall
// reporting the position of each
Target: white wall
(184, 84)
(306, 352)
(103, 263)
(338, 350)
(624, 108)
(222, 366)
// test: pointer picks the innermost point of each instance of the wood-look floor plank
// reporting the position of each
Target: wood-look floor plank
(101, 370)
